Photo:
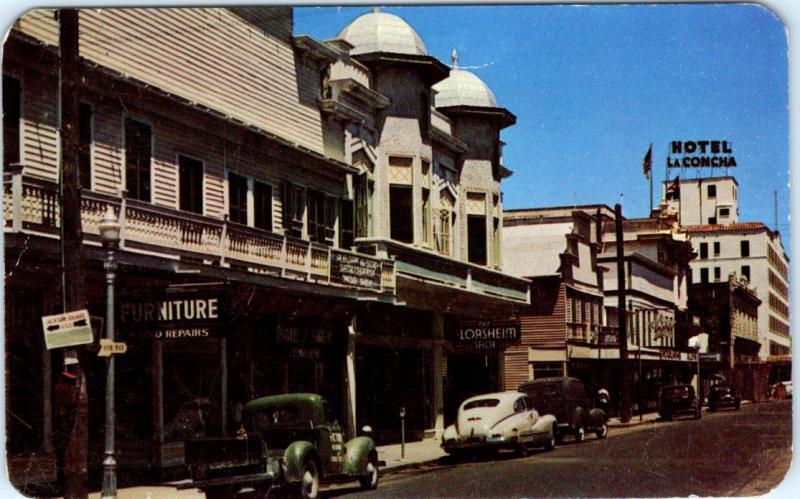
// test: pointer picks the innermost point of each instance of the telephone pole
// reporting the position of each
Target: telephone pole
(625, 400)
(76, 451)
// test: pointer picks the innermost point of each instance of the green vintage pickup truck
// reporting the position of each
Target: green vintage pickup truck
(289, 441)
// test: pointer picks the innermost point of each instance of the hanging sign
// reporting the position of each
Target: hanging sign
(701, 154)
(67, 330)
(355, 270)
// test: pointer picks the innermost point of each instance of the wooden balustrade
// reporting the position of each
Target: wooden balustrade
(32, 205)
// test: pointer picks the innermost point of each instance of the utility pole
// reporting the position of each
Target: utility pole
(76, 451)
(625, 400)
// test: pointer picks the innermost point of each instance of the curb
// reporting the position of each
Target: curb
(406, 466)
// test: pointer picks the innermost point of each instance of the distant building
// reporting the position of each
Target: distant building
(730, 318)
(571, 327)
(708, 210)
(699, 201)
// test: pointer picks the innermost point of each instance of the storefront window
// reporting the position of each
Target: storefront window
(192, 387)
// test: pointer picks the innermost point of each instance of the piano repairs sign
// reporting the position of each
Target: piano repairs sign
(355, 270)
(701, 154)
(173, 316)
(488, 335)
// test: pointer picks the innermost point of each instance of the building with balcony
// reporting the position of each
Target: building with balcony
(571, 327)
(344, 224)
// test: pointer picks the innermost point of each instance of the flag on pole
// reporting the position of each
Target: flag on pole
(647, 162)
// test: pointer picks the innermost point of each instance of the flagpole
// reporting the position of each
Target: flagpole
(651, 194)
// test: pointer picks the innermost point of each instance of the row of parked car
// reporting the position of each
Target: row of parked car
(539, 414)
(543, 411)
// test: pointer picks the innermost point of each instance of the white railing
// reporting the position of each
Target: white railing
(31, 205)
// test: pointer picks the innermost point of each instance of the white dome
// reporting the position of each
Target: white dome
(463, 88)
(382, 32)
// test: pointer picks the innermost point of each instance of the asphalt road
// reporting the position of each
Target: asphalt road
(723, 453)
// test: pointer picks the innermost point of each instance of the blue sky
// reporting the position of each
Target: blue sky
(593, 86)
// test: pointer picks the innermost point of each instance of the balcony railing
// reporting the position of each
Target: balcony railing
(31, 205)
(437, 269)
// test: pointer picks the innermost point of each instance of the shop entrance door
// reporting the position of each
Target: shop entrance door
(469, 374)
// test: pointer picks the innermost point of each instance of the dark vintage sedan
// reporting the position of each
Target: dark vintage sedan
(678, 400)
(565, 398)
(723, 395)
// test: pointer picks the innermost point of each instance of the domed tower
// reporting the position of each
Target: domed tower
(477, 120)
(400, 69)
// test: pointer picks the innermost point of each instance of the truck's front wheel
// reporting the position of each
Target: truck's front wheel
(370, 480)
(309, 482)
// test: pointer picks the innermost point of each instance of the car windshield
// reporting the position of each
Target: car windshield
(675, 391)
(284, 416)
(475, 404)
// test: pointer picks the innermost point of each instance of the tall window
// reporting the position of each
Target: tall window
(293, 209)
(444, 241)
(716, 248)
(717, 274)
(712, 191)
(745, 247)
(496, 241)
(262, 211)
(703, 250)
(190, 180)
(138, 139)
(746, 272)
(426, 216)
(346, 230)
(363, 206)
(400, 213)
(704, 275)
(12, 110)
(476, 239)
(85, 146)
(237, 198)
(316, 216)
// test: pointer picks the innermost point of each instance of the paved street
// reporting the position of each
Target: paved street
(727, 453)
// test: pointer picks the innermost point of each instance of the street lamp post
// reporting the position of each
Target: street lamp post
(109, 235)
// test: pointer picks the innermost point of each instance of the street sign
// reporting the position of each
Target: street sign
(67, 330)
(710, 357)
(108, 347)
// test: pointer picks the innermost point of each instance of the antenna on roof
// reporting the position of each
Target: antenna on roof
(454, 57)
(775, 196)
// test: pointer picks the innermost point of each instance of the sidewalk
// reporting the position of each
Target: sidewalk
(415, 453)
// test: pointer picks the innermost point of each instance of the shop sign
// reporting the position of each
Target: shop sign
(355, 270)
(173, 316)
(488, 335)
(66, 330)
(303, 335)
(710, 357)
(304, 353)
(670, 355)
(701, 154)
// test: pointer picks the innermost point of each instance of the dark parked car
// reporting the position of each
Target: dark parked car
(565, 398)
(676, 400)
(723, 395)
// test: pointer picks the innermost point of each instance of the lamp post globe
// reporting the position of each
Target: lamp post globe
(109, 227)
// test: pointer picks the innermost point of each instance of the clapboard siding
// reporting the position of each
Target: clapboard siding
(209, 56)
(544, 323)
(40, 151)
(107, 154)
(516, 366)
